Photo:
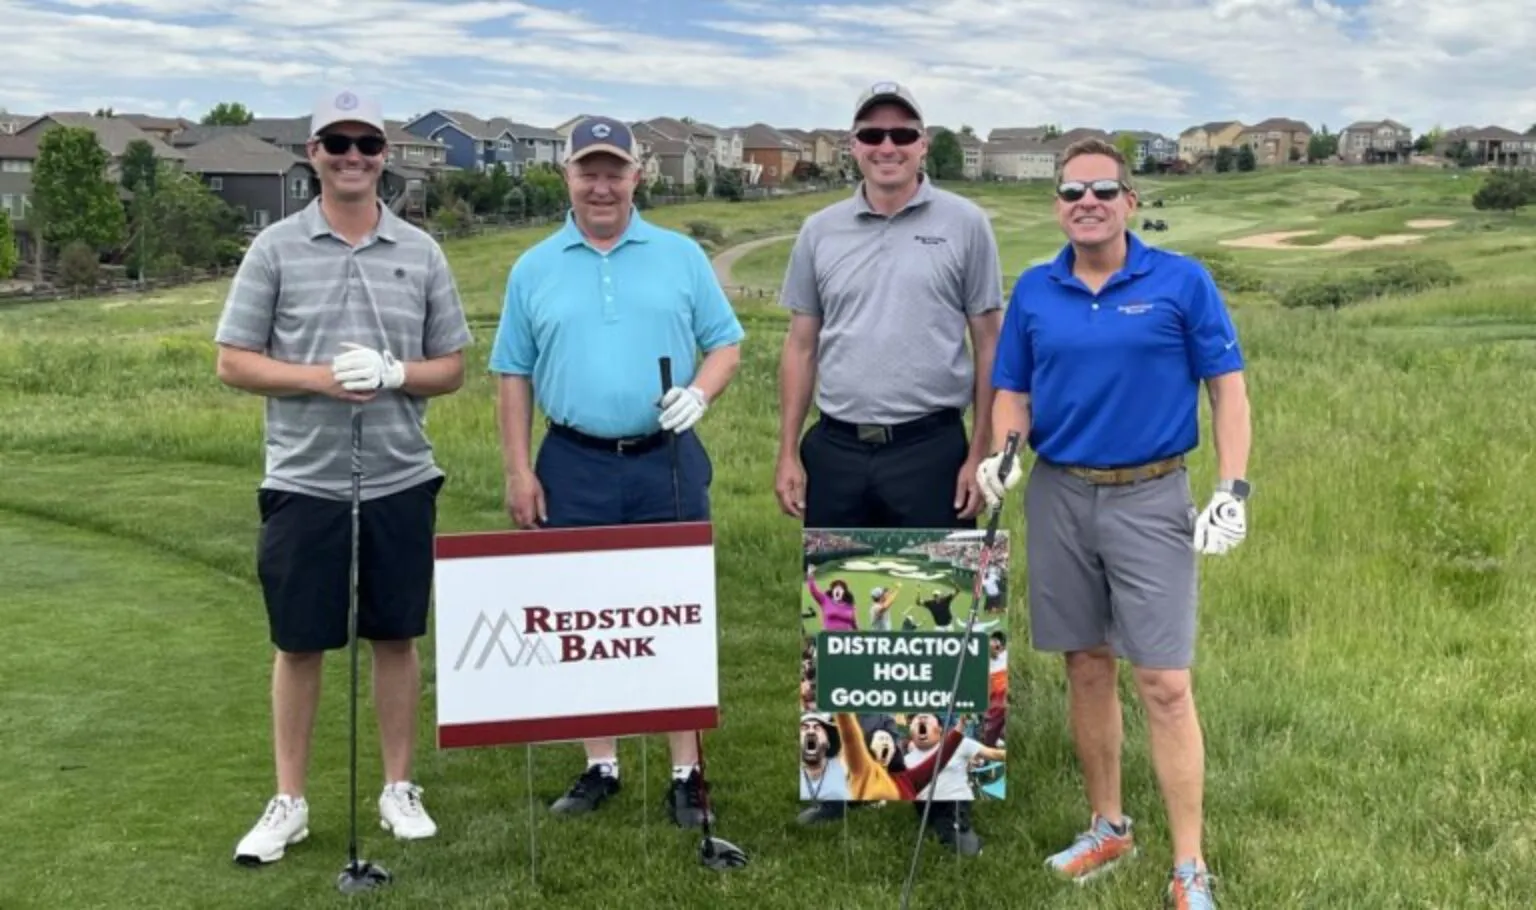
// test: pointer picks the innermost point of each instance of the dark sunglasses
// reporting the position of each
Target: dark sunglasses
(337, 144)
(1103, 190)
(901, 135)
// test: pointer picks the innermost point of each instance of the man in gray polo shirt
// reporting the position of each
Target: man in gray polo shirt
(343, 305)
(883, 289)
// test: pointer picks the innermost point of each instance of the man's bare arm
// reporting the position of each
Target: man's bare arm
(797, 380)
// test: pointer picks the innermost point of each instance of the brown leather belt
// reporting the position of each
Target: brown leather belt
(1122, 476)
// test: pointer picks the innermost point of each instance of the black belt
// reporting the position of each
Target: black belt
(884, 434)
(627, 445)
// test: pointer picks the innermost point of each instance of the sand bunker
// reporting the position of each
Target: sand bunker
(1431, 223)
(1279, 241)
(917, 576)
(863, 565)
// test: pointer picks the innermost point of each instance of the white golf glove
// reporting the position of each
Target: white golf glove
(682, 408)
(994, 487)
(1222, 526)
(363, 369)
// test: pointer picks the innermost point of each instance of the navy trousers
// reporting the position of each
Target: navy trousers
(585, 487)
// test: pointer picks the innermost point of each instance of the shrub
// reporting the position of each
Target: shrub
(1367, 205)
(1412, 276)
(78, 266)
(703, 231)
(1229, 275)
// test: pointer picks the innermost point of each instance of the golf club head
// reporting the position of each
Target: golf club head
(718, 854)
(361, 876)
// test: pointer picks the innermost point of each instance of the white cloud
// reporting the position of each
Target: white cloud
(1161, 64)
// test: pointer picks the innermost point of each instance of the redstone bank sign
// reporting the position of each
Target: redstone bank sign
(550, 636)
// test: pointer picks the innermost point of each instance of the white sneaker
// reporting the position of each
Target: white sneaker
(285, 822)
(401, 812)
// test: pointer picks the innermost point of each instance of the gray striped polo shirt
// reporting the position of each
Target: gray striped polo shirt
(894, 296)
(299, 293)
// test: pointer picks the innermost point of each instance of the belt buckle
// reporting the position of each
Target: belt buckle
(874, 433)
(620, 444)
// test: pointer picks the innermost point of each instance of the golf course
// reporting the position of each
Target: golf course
(1363, 671)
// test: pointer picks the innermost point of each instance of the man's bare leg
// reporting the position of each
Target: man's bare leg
(396, 695)
(295, 699)
(1097, 727)
(1178, 755)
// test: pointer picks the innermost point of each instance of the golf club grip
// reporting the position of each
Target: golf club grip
(666, 374)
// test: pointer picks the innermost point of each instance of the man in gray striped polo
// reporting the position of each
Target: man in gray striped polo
(337, 306)
(883, 289)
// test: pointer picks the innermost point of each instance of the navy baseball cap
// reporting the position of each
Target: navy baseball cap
(602, 135)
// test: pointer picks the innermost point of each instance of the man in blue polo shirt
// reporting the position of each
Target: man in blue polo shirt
(588, 312)
(1099, 366)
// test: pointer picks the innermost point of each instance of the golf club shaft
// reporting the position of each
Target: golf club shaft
(357, 492)
(665, 364)
(983, 562)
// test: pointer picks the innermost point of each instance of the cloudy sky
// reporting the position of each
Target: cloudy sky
(1113, 64)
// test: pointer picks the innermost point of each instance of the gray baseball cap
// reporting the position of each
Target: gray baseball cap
(887, 93)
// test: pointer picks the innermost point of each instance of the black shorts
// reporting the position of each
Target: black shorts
(304, 560)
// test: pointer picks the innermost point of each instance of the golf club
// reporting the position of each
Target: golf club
(1010, 451)
(359, 875)
(714, 853)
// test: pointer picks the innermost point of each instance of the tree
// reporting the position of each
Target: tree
(728, 185)
(701, 184)
(182, 225)
(1127, 145)
(138, 177)
(1245, 158)
(228, 113)
(946, 160)
(10, 257)
(1224, 156)
(1531, 130)
(72, 199)
(1506, 191)
(1322, 146)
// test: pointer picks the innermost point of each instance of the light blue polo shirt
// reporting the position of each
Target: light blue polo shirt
(589, 326)
(1114, 377)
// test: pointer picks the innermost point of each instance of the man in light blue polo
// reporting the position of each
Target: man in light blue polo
(1099, 366)
(588, 312)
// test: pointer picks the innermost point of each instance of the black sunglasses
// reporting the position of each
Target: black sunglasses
(337, 144)
(901, 135)
(1103, 190)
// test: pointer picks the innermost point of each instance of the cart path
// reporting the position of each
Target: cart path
(726, 259)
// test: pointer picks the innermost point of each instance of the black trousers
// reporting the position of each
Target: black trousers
(904, 480)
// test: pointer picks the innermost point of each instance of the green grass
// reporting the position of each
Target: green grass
(1363, 668)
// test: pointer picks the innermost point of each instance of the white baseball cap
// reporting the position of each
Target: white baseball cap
(346, 106)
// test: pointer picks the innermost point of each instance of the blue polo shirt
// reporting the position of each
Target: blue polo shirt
(1114, 377)
(589, 326)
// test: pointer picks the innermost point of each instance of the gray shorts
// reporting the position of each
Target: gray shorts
(1112, 565)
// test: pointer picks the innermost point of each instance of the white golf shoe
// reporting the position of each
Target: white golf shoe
(285, 822)
(402, 814)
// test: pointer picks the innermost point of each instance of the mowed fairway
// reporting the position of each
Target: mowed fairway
(1364, 667)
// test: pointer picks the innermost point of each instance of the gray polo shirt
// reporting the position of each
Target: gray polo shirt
(894, 296)
(299, 293)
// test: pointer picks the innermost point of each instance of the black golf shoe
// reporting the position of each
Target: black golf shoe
(587, 794)
(685, 802)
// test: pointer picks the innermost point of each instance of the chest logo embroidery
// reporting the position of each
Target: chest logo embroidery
(1134, 309)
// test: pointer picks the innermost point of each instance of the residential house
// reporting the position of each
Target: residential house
(817, 147)
(842, 150)
(1021, 159)
(1376, 142)
(162, 128)
(402, 187)
(774, 153)
(478, 145)
(10, 123)
(17, 155)
(254, 176)
(680, 162)
(720, 148)
(1278, 140)
(1493, 146)
(1207, 139)
(114, 134)
(1012, 133)
(410, 150)
(707, 143)
(1153, 147)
